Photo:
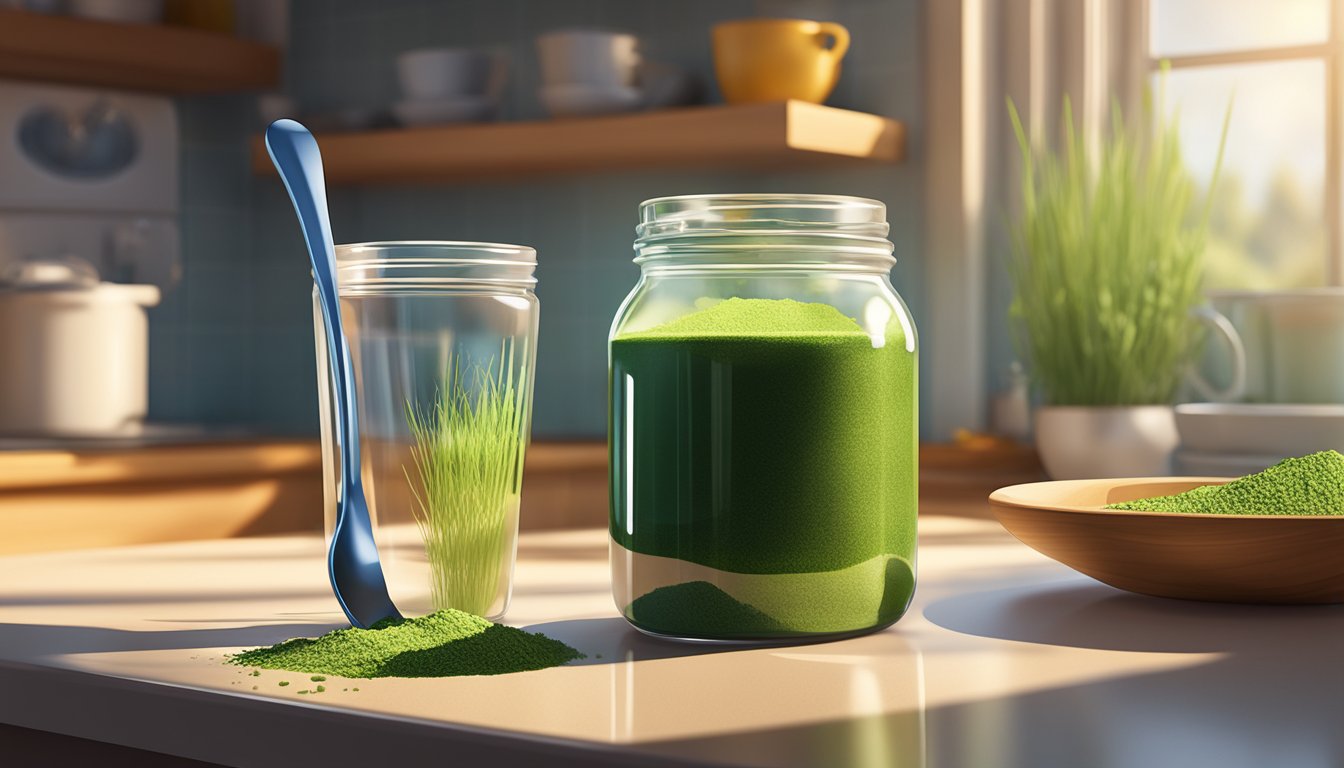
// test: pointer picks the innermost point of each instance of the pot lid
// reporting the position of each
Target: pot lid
(49, 274)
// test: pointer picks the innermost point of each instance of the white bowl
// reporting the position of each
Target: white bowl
(413, 112)
(1222, 464)
(443, 73)
(577, 100)
(126, 11)
(1260, 429)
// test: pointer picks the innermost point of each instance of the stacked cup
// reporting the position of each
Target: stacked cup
(589, 72)
(449, 85)
(1293, 400)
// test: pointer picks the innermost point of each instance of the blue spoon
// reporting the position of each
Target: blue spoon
(352, 562)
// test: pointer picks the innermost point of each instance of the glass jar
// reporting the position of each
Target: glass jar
(442, 340)
(763, 429)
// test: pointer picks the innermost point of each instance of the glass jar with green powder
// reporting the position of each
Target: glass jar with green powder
(763, 429)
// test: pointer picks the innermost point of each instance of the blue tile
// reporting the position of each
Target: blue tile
(220, 377)
(215, 236)
(220, 296)
(239, 234)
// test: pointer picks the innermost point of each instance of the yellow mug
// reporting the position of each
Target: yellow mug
(776, 59)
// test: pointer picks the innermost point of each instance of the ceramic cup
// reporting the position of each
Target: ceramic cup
(777, 59)
(446, 73)
(1294, 342)
(589, 57)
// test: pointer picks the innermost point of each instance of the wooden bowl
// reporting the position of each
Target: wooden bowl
(1223, 558)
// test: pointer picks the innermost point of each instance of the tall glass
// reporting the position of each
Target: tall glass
(442, 337)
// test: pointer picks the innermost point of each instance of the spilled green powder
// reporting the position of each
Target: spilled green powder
(447, 643)
(1310, 485)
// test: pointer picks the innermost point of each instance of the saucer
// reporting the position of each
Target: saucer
(465, 109)
(578, 100)
(1260, 429)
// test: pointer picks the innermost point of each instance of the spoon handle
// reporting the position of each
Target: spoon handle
(300, 166)
(352, 555)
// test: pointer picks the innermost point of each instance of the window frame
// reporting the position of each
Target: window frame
(1328, 52)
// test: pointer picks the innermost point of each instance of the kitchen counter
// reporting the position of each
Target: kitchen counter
(75, 494)
(1006, 658)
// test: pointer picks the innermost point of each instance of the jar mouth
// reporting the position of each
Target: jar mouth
(400, 265)
(759, 229)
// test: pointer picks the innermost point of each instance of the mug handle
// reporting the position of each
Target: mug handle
(1224, 328)
(836, 34)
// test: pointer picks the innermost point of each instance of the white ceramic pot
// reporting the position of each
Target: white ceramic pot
(76, 361)
(1078, 442)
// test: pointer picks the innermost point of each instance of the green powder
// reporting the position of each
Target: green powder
(447, 643)
(763, 436)
(757, 318)
(1310, 485)
(700, 609)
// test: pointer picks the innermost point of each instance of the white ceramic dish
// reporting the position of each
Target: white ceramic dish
(414, 112)
(1222, 464)
(583, 100)
(1259, 429)
(434, 74)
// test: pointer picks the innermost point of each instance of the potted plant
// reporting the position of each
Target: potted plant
(1106, 266)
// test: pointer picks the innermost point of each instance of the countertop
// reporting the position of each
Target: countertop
(75, 494)
(1005, 659)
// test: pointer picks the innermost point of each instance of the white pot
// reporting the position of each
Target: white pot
(75, 361)
(1078, 442)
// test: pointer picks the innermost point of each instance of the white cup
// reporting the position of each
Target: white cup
(445, 73)
(588, 57)
(1294, 343)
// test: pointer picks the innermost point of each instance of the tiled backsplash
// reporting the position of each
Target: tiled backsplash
(234, 345)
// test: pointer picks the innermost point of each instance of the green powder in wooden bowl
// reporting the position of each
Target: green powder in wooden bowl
(1310, 485)
(446, 643)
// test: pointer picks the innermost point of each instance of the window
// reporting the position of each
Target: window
(1275, 215)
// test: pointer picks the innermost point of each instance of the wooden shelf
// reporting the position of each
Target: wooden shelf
(142, 57)
(783, 134)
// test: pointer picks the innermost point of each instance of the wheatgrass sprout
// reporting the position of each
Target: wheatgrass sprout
(1107, 262)
(468, 456)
